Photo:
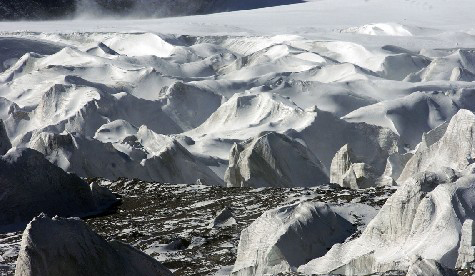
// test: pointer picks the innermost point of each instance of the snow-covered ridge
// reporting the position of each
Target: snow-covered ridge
(143, 98)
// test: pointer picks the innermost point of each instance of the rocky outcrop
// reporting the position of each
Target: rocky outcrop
(466, 252)
(68, 247)
(5, 144)
(273, 160)
(30, 185)
(285, 238)
(224, 218)
(346, 171)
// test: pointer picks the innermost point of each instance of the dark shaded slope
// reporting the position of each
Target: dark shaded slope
(57, 9)
(35, 9)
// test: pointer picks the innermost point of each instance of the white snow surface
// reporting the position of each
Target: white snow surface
(166, 99)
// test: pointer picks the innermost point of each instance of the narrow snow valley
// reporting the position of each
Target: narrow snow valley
(320, 137)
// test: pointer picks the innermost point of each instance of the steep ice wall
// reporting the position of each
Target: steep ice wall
(5, 144)
(285, 238)
(454, 150)
(326, 135)
(412, 115)
(189, 106)
(347, 171)
(456, 66)
(422, 267)
(466, 253)
(423, 218)
(273, 160)
(31, 185)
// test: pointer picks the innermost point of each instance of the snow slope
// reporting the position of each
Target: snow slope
(208, 92)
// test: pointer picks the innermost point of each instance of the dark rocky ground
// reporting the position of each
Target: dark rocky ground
(171, 222)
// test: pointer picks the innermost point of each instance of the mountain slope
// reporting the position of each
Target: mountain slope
(53, 9)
